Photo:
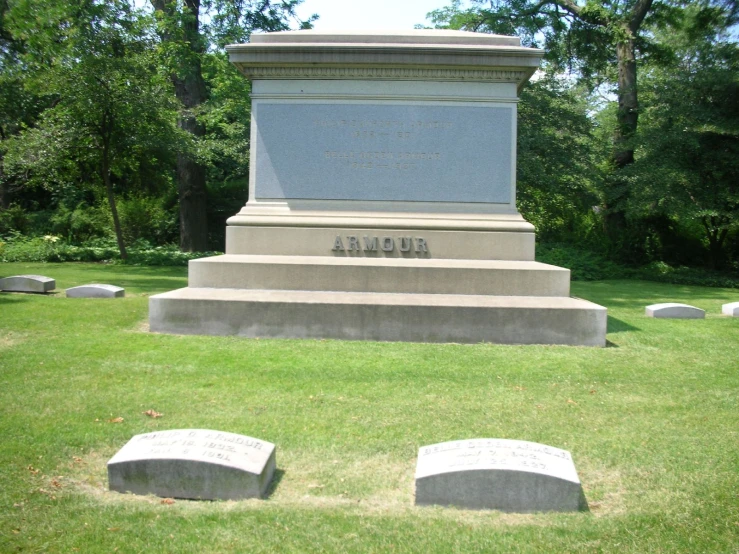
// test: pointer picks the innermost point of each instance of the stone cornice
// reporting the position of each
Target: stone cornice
(418, 56)
(383, 73)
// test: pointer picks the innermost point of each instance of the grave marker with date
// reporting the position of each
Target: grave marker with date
(195, 464)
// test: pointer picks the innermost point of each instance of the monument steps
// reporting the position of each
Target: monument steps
(379, 316)
(381, 275)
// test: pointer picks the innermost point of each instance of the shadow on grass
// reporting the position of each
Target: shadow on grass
(616, 325)
(276, 478)
(9, 297)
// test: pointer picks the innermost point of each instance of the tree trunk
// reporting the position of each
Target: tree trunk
(716, 238)
(4, 196)
(623, 150)
(105, 171)
(192, 194)
(191, 92)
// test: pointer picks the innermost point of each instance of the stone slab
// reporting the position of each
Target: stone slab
(731, 309)
(673, 310)
(195, 464)
(380, 152)
(452, 244)
(498, 474)
(96, 290)
(428, 55)
(379, 316)
(391, 275)
(27, 283)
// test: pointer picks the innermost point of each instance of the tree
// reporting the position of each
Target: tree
(588, 37)
(557, 173)
(184, 45)
(688, 163)
(110, 104)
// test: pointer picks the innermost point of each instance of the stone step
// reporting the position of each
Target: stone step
(383, 275)
(379, 316)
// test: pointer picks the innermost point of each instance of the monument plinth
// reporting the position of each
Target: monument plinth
(382, 200)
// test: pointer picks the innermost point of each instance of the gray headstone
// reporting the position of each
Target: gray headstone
(672, 310)
(498, 474)
(731, 309)
(27, 283)
(96, 291)
(195, 464)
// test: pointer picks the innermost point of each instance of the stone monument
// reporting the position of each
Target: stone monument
(498, 474)
(674, 310)
(28, 283)
(198, 464)
(382, 200)
(96, 290)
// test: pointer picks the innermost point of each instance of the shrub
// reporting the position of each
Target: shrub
(80, 224)
(145, 218)
(50, 248)
(13, 218)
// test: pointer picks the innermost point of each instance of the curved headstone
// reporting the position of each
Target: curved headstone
(195, 464)
(498, 474)
(672, 310)
(731, 309)
(27, 283)
(96, 291)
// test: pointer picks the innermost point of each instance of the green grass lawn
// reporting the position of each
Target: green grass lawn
(652, 422)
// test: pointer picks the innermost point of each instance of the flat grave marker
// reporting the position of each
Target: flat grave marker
(673, 310)
(731, 309)
(96, 290)
(27, 283)
(498, 474)
(198, 464)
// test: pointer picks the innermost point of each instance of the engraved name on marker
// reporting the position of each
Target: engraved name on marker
(193, 463)
(353, 243)
(498, 474)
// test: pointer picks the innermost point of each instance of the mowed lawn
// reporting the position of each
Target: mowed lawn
(652, 422)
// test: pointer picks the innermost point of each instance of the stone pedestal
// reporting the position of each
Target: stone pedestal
(382, 200)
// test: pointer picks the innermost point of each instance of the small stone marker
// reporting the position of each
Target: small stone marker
(731, 309)
(671, 310)
(193, 463)
(27, 283)
(96, 291)
(498, 474)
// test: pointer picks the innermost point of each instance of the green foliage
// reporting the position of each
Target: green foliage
(113, 112)
(15, 247)
(12, 219)
(557, 173)
(584, 265)
(587, 265)
(688, 167)
(226, 115)
(80, 224)
(146, 218)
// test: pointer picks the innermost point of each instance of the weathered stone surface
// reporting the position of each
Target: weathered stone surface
(96, 290)
(193, 463)
(731, 309)
(672, 310)
(379, 316)
(498, 474)
(27, 283)
(382, 200)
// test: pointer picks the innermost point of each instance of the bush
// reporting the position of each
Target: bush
(13, 219)
(590, 266)
(145, 218)
(50, 248)
(80, 224)
(584, 265)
